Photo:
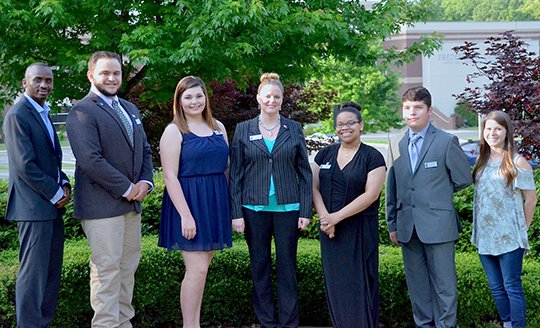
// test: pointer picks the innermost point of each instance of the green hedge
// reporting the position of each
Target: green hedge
(227, 299)
(152, 209)
(72, 227)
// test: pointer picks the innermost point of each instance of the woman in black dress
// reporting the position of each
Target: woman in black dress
(347, 182)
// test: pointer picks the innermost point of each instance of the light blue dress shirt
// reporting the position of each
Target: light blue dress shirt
(44, 114)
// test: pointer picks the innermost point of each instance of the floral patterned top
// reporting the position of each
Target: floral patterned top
(498, 216)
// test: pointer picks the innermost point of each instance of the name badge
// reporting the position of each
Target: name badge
(326, 166)
(429, 165)
(138, 121)
(255, 137)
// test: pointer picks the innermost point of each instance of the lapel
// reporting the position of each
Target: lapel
(430, 136)
(39, 120)
(108, 109)
(58, 147)
(254, 131)
(283, 135)
(404, 149)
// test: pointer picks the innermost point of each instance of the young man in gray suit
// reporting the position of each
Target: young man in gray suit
(37, 195)
(113, 174)
(420, 211)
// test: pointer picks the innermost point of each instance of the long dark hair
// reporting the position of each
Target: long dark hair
(508, 168)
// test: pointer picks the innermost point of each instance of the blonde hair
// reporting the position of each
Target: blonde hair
(508, 168)
(179, 117)
(270, 79)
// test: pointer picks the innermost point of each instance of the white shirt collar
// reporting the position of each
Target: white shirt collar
(421, 133)
(104, 97)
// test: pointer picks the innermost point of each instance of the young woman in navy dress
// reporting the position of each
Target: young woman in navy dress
(195, 215)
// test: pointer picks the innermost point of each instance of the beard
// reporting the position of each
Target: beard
(106, 93)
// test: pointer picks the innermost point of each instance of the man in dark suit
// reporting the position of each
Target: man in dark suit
(420, 211)
(113, 174)
(37, 195)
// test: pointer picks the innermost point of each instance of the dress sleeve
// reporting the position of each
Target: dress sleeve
(376, 160)
(524, 180)
(321, 155)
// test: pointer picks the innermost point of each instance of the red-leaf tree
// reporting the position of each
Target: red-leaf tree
(231, 105)
(514, 85)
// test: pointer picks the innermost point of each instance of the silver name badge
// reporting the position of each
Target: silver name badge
(429, 165)
(326, 166)
(255, 137)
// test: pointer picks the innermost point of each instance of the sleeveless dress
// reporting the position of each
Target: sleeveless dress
(203, 161)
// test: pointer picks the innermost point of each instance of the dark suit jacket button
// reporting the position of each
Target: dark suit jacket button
(412, 189)
(414, 206)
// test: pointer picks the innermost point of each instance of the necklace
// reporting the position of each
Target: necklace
(350, 150)
(269, 129)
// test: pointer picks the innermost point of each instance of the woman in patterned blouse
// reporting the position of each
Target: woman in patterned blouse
(504, 204)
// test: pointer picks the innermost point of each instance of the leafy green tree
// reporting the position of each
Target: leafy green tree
(487, 10)
(163, 40)
(531, 7)
(373, 87)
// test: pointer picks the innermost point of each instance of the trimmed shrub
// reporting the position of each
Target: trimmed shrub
(72, 227)
(152, 211)
(227, 298)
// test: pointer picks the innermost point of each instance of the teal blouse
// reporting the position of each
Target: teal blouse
(272, 199)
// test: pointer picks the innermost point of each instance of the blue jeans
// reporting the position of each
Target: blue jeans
(504, 278)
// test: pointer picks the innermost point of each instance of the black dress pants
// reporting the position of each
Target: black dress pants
(283, 226)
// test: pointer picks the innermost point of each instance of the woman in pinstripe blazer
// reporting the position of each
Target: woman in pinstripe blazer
(270, 183)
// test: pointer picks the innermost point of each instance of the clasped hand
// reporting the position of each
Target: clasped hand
(138, 191)
(328, 223)
(65, 199)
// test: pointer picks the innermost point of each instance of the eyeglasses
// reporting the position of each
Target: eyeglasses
(349, 124)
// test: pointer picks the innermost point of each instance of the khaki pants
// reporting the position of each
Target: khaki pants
(116, 250)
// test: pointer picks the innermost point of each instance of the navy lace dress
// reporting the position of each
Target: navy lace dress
(203, 161)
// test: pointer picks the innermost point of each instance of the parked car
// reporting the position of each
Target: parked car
(471, 148)
(318, 140)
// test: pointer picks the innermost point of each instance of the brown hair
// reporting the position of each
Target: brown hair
(508, 168)
(102, 54)
(417, 94)
(270, 78)
(179, 117)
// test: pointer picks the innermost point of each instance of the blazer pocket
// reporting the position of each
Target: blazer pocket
(441, 205)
